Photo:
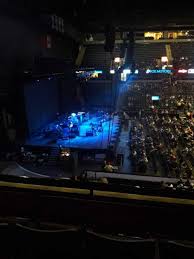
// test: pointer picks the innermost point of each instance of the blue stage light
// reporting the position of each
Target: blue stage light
(73, 114)
(126, 71)
(136, 71)
(155, 98)
(98, 71)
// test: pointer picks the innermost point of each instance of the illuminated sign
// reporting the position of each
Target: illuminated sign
(158, 71)
(191, 71)
(87, 73)
(155, 98)
(182, 71)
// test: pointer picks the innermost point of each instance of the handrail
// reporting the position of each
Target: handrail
(99, 190)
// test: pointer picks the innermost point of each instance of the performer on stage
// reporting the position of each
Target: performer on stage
(93, 128)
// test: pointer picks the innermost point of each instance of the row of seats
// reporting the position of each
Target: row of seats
(145, 55)
(95, 56)
(31, 240)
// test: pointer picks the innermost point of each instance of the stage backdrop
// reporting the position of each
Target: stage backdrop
(41, 103)
(100, 94)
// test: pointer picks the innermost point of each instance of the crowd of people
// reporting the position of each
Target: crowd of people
(162, 132)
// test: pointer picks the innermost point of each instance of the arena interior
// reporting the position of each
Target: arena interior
(96, 114)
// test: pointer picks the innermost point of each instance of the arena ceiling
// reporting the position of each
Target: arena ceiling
(92, 15)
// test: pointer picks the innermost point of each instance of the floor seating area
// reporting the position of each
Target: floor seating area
(161, 137)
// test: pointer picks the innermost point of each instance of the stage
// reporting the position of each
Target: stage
(100, 140)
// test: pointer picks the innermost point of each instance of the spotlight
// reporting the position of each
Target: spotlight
(126, 71)
(38, 80)
(65, 153)
(164, 59)
(136, 71)
(112, 71)
(73, 114)
(117, 60)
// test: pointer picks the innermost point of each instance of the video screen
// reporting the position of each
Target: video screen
(155, 98)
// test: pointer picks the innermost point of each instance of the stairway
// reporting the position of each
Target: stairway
(80, 56)
(169, 53)
(54, 154)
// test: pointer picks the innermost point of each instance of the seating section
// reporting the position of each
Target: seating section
(161, 136)
(96, 57)
(183, 50)
(145, 54)
(32, 240)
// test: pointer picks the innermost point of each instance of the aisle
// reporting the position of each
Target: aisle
(123, 148)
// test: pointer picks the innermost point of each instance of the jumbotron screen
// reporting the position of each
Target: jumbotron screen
(155, 98)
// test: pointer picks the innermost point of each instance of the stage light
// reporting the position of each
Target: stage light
(49, 78)
(73, 114)
(191, 71)
(117, 60)
(182, 71)
(71, 124)
(65, 153)
(98, 71)
(147, 71)
(112, 71)
(123, 77)
(136, 71)
(38, 80)
(126, 71)
(155, 98)
(164, 59)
